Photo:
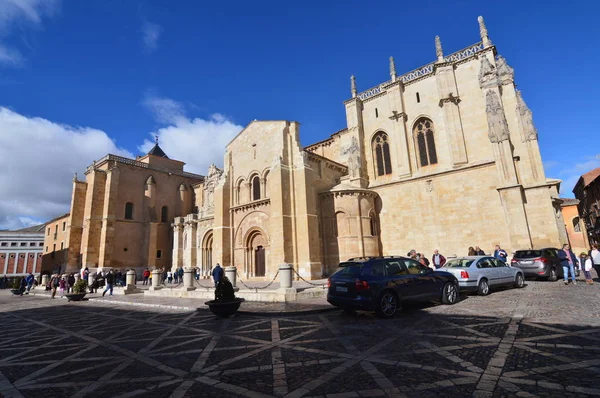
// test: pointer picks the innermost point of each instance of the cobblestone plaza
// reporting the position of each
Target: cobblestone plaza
(543, 340)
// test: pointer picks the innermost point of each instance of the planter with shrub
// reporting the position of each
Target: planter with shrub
(16, 287)
(225, 303)
(79, 291)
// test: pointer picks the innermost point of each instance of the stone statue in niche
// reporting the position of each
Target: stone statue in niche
(497, 125)
(525, 119)
(353, 153)
(487, 74)
(505, 72)
(211, 181)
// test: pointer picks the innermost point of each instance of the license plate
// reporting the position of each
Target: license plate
(341, 289)
(526, 262)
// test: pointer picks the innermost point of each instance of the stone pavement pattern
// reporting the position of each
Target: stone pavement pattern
(543, 340)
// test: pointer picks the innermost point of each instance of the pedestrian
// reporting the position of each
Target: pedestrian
(146, 276)
(478, 251)
(30, 280)
(70, 282)
(217, 274)
(22, 286)
(197, 273)
(472, 251)
(586, 267)
(54, 283)
(110, 280)
(62, 284)
(170, 277)
(438, 260)
(500, 253)
(180, 274)
(595, 257)
(568, 260)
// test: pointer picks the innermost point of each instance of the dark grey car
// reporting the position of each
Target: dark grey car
(539, 263)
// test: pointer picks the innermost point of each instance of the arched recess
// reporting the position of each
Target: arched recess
(341, 227)
(265, 185)
(576, 224)
(239, 191)
(206, 255)
(255, 245)
(255, 187)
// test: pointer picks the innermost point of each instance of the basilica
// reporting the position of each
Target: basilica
(444, 157)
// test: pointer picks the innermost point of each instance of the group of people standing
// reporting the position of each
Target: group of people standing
(438, 260)
(586, 262)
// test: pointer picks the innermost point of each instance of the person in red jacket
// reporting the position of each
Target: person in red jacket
(438, 260)
(146, 275)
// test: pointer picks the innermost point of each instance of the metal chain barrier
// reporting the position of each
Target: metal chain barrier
(197, 282)
(259, 288)
(323, 286)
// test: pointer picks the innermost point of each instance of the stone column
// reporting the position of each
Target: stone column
(285, 276)
(130, 279)
(231, 274)
(188, 279)
(156, 280)
(77, 276)
(44, 280)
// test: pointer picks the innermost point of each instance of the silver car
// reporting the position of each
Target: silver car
(480, 273)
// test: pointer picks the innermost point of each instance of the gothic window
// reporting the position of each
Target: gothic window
(425, 136)
(129, 211)
(381, 153)
(576, 225)
(256, 188)
(164, 214)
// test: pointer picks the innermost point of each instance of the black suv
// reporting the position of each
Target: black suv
(383, 283)
(539, 263)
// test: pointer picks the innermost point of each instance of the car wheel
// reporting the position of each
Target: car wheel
(483, 289)
(519, 281)
(387, 305)
(449, 293)
(553, 277)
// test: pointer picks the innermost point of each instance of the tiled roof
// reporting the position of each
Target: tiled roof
(590, 176)
(156, 151)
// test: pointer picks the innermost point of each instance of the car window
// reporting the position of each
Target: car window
(528, 253)
(498, 263)
(349, 269)
(553, 252)
(377, 269)
(485, 263)
(414, 267)
(459, 263)
(396, 267)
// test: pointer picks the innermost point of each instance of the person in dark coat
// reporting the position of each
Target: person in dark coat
(110, 281)
(217, 274)
(568, 260)
(438, 260)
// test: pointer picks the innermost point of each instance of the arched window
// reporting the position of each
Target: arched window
(576, 225)
(425, 136)
(381, 154)
(164, 214)
(129, 211)
(256, 188)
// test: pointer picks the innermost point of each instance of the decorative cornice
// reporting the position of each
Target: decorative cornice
(135, 163)
(251, 205)
(330, 164)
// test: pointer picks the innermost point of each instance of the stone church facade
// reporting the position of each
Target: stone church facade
(443, 157)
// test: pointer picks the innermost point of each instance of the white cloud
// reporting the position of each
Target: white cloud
(150, 35)
(570, 175)
(39, 158)
(21, 12)
(196, 141)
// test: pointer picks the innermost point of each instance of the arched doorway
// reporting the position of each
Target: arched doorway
(256, 259)
(207, 243)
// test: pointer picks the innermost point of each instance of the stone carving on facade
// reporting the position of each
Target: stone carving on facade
(392, 69)
(506, 74)
(211, 181)
(353, 153)
(525, 119)
(438, 49)
(497, 125)
(487, 74)
(483, 32)
(353, 86)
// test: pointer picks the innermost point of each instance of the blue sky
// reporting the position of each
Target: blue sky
(109, 74)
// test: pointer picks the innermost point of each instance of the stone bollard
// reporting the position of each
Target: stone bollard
(156, 280)
(130, 280)
(92, 278)
(44, 280)
(231, 274)
(285, 276)
(188, 279)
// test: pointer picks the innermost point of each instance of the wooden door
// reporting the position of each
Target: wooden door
(259, 261)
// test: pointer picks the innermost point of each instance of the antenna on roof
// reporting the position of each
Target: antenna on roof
(156, 139)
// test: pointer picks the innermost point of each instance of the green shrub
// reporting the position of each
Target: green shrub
(224, 290)
(80, 286)
(16, 283)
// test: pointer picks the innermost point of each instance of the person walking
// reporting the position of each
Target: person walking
(146, 276)
(595, 257)
(62, 284)
(30, 280)
(110, 280)
(479, 251)
(169, 276)
(568, 261)
(438, 260)
(70, 283)
(500, 253)
(22, 285)
(54, 283)
(217, 274)
(586, 267)
(180, 274)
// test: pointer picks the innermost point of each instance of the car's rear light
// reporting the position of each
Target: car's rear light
(541, 259)
(541, 272)
(328, 282)
(514, 260)
(361, 285)
(464, 274)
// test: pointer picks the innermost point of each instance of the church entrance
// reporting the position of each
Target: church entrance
(206, 267)
(256, 255)
(259, 260)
